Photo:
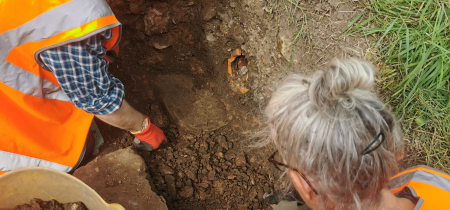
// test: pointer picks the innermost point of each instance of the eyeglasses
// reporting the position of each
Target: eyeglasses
(277, 164)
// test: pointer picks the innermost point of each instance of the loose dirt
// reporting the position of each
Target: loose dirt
(38, 204)
(174, 64)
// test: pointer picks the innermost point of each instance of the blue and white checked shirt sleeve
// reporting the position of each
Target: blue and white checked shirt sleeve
(82, 72)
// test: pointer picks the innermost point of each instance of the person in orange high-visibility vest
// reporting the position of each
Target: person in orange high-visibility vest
(54, 79)
(340, 145)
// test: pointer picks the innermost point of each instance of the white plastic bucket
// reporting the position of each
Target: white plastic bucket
(19, 186)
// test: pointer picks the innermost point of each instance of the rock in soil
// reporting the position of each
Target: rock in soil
(194, 110)
(166, 170)
(120, 177)
(157, 19)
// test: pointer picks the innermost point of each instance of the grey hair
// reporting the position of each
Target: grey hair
(320, 125)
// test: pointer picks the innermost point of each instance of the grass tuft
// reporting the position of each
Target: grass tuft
(414, 46)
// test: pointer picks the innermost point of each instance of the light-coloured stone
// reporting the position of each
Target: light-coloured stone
(195, 111)
(120, 177)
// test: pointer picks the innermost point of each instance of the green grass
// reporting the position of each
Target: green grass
(413, 47)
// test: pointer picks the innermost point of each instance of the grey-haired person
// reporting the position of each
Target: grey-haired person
(340, 145)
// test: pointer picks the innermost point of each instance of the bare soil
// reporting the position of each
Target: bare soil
(174, 64)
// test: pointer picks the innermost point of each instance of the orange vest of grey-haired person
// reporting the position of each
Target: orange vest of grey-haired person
(425, 187)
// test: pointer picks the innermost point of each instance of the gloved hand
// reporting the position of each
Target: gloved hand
(150, 138)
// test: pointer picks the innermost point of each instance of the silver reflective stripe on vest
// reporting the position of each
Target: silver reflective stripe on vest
(29, 83)
(67, 16)
(420, 202)
(62, 18)
(421, 176)
(432, 179)
(10, 161)
(400, 180)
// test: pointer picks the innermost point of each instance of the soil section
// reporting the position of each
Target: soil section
(174, 64)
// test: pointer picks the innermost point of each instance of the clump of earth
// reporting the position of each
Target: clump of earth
(173, 61)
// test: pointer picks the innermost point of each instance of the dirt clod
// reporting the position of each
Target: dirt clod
(171, 187)
(240, 160)
(187, 192)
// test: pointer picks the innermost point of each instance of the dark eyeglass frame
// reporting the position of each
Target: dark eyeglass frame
(378, 140)
(276, 164)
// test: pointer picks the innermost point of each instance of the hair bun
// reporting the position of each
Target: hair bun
(343, 82)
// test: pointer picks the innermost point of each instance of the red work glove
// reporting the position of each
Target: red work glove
(150, 138)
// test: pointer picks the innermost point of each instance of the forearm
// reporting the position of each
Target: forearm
(126, 117)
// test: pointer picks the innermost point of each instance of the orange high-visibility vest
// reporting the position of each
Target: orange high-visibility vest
(39, 126)
(431, 186)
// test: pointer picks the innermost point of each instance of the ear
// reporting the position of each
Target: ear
(305, 191)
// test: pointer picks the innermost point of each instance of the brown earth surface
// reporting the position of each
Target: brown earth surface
(173, 63)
